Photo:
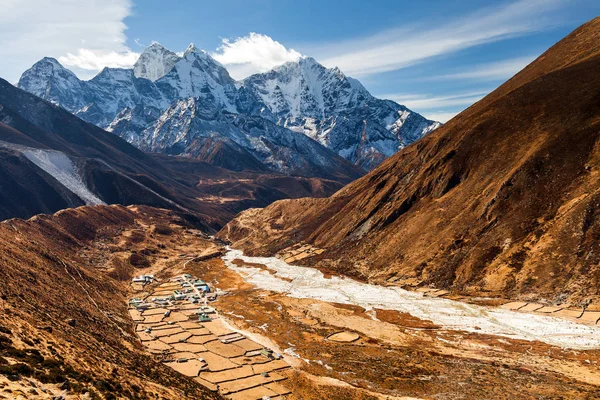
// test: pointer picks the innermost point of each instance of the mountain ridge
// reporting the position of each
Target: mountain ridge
(323, 104)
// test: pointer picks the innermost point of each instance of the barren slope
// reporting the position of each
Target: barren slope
(63, 308)
(503, 199)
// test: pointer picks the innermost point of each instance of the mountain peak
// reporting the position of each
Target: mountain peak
(196, 53)
(155, 62)
(156, 45)
(190, 49)
(49, 78)
(306, 60)
(48, 65)
(307, 88)
(51, 60)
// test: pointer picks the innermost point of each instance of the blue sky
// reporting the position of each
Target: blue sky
(436, 57)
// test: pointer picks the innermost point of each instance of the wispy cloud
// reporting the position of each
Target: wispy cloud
(429, 102)
(438, 108)
(442, 116)
(498, 70)
(254, 53)
(32, 29)
(399, 48)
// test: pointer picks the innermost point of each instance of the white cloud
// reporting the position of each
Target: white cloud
(441, 116)
(399, 48)
(94, 61)
(488, 71)
(89, 34)
(251, 54)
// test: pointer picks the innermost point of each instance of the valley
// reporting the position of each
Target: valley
(327, 338)
(495, 203)
(170, 232)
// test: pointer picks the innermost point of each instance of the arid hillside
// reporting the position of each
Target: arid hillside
(64, 325)
(502, 200)
(72, 325)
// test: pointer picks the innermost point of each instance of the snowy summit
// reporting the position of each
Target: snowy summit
(299, 98)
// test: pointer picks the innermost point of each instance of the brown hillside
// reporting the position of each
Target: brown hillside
(64, 323)
(503, 199)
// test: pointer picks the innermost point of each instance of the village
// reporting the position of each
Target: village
(175, 322)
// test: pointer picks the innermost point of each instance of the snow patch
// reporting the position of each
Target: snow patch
(63, 170)
(58, 165)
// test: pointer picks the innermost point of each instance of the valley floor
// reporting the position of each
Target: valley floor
(331, 348)
(340, 350)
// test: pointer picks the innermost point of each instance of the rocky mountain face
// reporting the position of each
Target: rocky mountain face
(51, 160)
(300, 98)
(502, 200)
(51, 81)
(337, 111)
(155, 62)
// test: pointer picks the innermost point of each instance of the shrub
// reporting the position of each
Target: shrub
(163, 229)
(139, 260)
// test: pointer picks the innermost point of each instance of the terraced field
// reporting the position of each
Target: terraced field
(197, 342)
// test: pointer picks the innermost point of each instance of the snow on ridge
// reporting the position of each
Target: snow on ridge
(61, 168)
(58, 165)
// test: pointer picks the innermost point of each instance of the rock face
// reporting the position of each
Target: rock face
(155, 62)
(190, 125)
(302, 98)
(504, 199)
(51, 160)
(337, 111)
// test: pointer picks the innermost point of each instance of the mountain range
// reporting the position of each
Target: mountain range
(51, 160)
(189, 105)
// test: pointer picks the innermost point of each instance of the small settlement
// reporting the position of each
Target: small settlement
(174, 322)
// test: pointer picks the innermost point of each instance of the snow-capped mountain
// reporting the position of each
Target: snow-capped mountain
(189, 124)
(199, 75)
(166, 102)
(155, 62)
(307, 89)
(51, 81)
(337, 111)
